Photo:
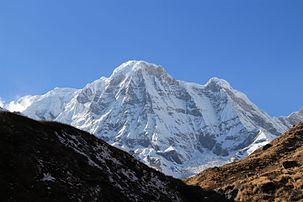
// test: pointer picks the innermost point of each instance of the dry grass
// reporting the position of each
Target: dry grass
(272, 174)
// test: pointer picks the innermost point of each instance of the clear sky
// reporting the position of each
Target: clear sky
(256, 45)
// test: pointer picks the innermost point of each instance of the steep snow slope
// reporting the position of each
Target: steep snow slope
(176, 127)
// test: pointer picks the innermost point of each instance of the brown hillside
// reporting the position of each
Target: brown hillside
(272, 173)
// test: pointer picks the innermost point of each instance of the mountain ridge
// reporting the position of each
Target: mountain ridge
(174, 126)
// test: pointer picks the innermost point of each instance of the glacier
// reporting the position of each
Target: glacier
(176, 127)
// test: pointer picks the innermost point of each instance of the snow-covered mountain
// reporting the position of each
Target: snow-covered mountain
(290, 120)
(174, 126)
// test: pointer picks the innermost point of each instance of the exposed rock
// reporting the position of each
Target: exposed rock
(290, 164)
(266, 147)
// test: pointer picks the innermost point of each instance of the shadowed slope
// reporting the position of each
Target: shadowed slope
(48, 161)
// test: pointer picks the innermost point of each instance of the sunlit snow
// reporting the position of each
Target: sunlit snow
(174, 126)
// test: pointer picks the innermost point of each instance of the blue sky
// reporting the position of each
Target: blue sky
(257, 45)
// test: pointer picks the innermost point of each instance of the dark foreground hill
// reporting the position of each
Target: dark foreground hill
(272, 173)
(48, 161)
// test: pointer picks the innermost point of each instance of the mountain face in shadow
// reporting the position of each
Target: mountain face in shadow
(48, 161)
(272, 173)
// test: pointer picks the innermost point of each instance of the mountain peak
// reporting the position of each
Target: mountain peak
(218, 82)
(132, 66)
(166, 123)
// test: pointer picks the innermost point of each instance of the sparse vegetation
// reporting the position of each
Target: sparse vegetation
(272, 173)
(49, 161)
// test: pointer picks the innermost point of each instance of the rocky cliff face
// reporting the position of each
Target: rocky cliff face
(48, 161)
(272, 173)
(176, 127)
